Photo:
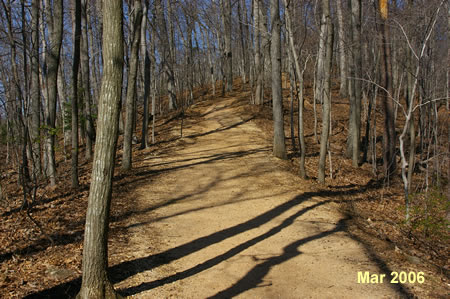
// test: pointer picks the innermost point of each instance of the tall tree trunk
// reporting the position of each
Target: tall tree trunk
(85, 70)
(389, 139)
(355, 96)
(130, 113)
(210, 50)
(292, 85)
(167, 50)
(95, 282)
(227, 53)
(56, 33)
(75, 69)
(145, 69)
(259, 59)
(299, 75)
(320, 57)
(279, 148)
(93, 54)
(343, 66)
(35, 90)
(243, 40)
(326, 93)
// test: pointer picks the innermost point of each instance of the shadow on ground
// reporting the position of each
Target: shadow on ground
(254, 277)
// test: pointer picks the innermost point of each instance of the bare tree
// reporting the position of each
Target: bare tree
(75, 69)
(343, 66)
(356, 92)
(227, 53)
(145, 71)
(409, 112)
(259, 60)
(326, 92)
(85, 70)
(35, 90)
(299, 75)
(56, 34)
(95, 282)
(131, 89)
(279, 147)
(167, 49)
(389, 139)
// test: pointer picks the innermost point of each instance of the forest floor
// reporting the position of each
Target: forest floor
(214, 214)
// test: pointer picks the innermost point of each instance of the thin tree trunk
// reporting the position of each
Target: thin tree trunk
(356, 84)
(243, 43)
(343, 66)
(85, 70)
(35, 90)
(56, 33)
(145, 69)
(130, 113)
(259, 60)
(292, 85)
(228, 59)
(279, 148)
(326, 93)
(75, 69)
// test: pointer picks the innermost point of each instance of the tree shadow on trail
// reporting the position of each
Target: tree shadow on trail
(127, 269)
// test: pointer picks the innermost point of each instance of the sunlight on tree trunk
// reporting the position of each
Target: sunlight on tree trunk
(95, 282)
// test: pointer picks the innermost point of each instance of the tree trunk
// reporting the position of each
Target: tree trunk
(279, 148)
(95, 282)
(259, 60)
(145, 69)
(167, 51)
(85, 70)
(343, 66)
(326, 92)
(226, 20)
(205, 37)
(130, 113)
(75, 68)
(35, 89)
(243, 40)
(299, 75)
(356, 84)
(389, 139)
(56, 33)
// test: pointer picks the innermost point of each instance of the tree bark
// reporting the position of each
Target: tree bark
(145, 69)
(356, 84)
(243, 40)
(85, 70)
(167, 50)
(35, 90)
(279, 148)
(343, 66)
(95, 282)
(389, 138)
(259, 58)
(326, 92)
(299, 75)
(227, 54)
(56, 33)
(130, 113)
(75, 69)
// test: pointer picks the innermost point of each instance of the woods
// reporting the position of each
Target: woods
(86, 86)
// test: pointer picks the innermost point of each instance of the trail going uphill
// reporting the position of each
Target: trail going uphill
(223, 219)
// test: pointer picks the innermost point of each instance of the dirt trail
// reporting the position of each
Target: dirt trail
(223, 220)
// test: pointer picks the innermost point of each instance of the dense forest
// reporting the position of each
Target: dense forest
(350, 86)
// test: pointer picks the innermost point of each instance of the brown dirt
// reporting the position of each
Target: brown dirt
(226, 219)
